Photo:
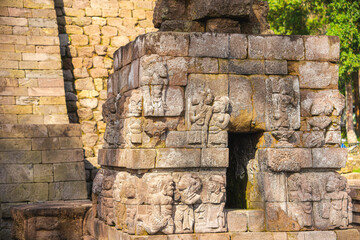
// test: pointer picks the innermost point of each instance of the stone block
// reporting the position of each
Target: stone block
(45, 143)
(276, 67)
(218, 84)
(69, 172)
(214, 236)
(238, 46)
(177, 71)
(73, 190)
(258, 84)
(24, 192)
(178, 158)
(322, 48)
(39, 4)
(237, 220)
(43, 173)
(64, 130)
(256, 47)
(258, 235)
(209, 45)
(140, 158)
(347, 234)
(318, 75)
(333, 137)
(15, 144)
(176, 139)
(240, 95)
(215, 157)
(166, 44)
(284, 47)
(70, 142)
(20, 157)
(203, 65)
(329, 157)
(62, 156)
(314, 235)
(275, 187)
(246, 67)
(256, 220)
(16, 173)
(289, 159)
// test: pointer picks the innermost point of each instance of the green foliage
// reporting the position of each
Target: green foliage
(322, 17)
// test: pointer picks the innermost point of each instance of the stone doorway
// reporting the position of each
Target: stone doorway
(242, 149)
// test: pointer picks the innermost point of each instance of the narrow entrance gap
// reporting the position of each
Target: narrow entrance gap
(242, 148)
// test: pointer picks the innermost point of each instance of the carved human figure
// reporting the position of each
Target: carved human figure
(217, 195)
(157, 100)
(300, 206)
(160, 219)
(219, 121)
(200, 113)
(135, 131)
(109, 115)
(284, 101)
(187, 194)
(335, 203)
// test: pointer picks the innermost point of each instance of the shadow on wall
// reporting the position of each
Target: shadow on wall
(67, 66)
(69, 83)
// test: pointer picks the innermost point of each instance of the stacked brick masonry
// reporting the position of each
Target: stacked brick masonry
(40, 163)
(31, 79)
(90, 31)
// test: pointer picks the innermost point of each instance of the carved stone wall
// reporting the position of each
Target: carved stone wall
(171, 101)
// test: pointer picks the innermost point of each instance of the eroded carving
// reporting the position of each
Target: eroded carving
(187, 194)
(219, 122)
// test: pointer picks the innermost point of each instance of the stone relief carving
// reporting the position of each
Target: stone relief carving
(211, 217)
(159, 218)
(319, 200)
(135, 105)
(154, 74)
(187, 194)
(219, 121)
(113, 125)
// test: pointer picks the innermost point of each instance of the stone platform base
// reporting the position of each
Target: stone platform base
(50, 220)
(105, 232)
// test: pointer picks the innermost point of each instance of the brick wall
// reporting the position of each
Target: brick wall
(90, 32)
(31, 79)
(39, 163)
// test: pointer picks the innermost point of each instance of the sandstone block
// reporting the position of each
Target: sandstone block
(237, 220)
(275, 187)
(12, 39)
(167, 44)
(178, 158)
(89, 102)
(218, 84)
(39, 4)
(59, 156)
(11, 21)
(98, 72)
(43, 173)
(318, 75)
(259, 235)
(330, 235)
(284, 47)
(69, 172)
(256, 220)
(329, 157)
(347, 234)
(245, 67)
(45, 143)
(215, 157)
(276, 67)
(238, 46)
(56, 119)
(15, 144)
(64, 130)
(322, 48)
(22, 130)
(209, 45)
(176, 139)
(67, 190)
(79, 40)
(16, 173)
(214, 236)
(70, 142)
(203, 65)
(289, 159)
(240, 95)
(177, 71)
(140, 158)
(24, 192)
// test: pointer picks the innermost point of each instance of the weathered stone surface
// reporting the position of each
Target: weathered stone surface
(256, 220)
(64, 130)
(67, 190)
(209, 45)
(275, 187)
(69, 172)
(329, 157)
(215, 157)
(43, 173)
(347, 234)
(23, 192)
(22, 130)
(167, 44)
(20, 157)
(57, 156)
(289, 159)
(178, 158)
(318, 75)
(176, 139)
(322, 48)
(16, 173)
(140, 158)
(276, 67)
(237, 220)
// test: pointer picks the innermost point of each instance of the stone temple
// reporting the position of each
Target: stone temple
(215, 129)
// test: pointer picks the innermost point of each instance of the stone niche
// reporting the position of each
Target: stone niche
(172, 101)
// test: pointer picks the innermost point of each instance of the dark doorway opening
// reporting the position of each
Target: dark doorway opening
(242, 148)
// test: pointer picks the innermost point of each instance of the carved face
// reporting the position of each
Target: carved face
(331, 185)
(156, 91)
(306, 186)
(213, 186)
(209, 98)
(135, 106)
(169, 189)
(220, 105)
